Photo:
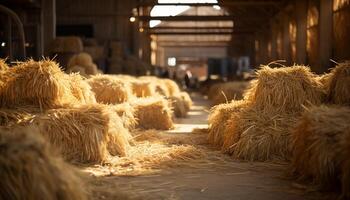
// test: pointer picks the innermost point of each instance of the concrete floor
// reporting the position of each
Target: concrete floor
(216, 180)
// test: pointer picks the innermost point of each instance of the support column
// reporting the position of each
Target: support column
(301, 15)
(326, 30)
(49, 24)
(286, 40)
(273, 41)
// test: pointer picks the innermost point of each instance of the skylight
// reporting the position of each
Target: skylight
(164, 10)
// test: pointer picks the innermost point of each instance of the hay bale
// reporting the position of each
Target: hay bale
(41, 84)
(81, 89)
(88, 133)
(110, 90)
(159, 85)
(285, 89)
(172, 86)
(85, 61)
(218, 117)
(187, 100)
(127, 113)
(226, 92)
(153, 113)
(31, 171)
(321, 143)
(13, 117)
(255, 135)
(178, 106)
(143, 88)
(338, 84)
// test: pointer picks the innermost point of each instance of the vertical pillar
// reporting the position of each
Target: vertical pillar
(301, 15)
(49, 24)
(286, 40)
(273, 41)
(325, 34)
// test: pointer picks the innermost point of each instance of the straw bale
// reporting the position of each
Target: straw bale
(127, 113)
(81, 89)
(81, 59)
(109, 89)
(40, 84)
(88, 133)
(143, 88)
(153, 113)
(161, 88)
(321, 143)
(285, 89)
(338, 84)
(223, 92)
(218, 117)
(178, 106)
(258, 135)
(30, 170)
(172, 86)
(187, 100)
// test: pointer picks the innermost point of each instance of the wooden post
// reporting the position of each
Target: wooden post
(286, 40)
(49, 24)
(301, 15)
(325, 34)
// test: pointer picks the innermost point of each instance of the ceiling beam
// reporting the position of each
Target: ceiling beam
(224, 4)
(199, 33)
(190, 27)
(201, 18)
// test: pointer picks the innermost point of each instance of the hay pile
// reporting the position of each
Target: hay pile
(259, 127)
(321, 147)
(187, 100)
(88, 133)
(81, 89)
(31, 171)
(83, 61)
(153, 113)
(3, 66)
(172, 86)
(109, 89)
(41, 84)
(178, 106)
(337, 84)
(71, 44)
(225, 92)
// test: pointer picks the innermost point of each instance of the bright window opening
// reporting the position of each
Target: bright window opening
(172, 61)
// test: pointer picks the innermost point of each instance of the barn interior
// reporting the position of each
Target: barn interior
(175, 99)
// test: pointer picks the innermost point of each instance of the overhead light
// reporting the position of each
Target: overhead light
(3, 44)
(216, 7)
(172, 61)
(132, 19)
(141, 30)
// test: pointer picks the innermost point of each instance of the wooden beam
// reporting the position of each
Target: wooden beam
(202, 18)
(198, 33)
(189, 27)
(224, 4)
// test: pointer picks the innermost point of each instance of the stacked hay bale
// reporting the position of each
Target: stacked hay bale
(337, 84)
(259, 127)
(65, 110)
(321, 148)
(110, 90)
(153, 113)
(83, 64)
(30, 170)
(225, 92)
(321, 139)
